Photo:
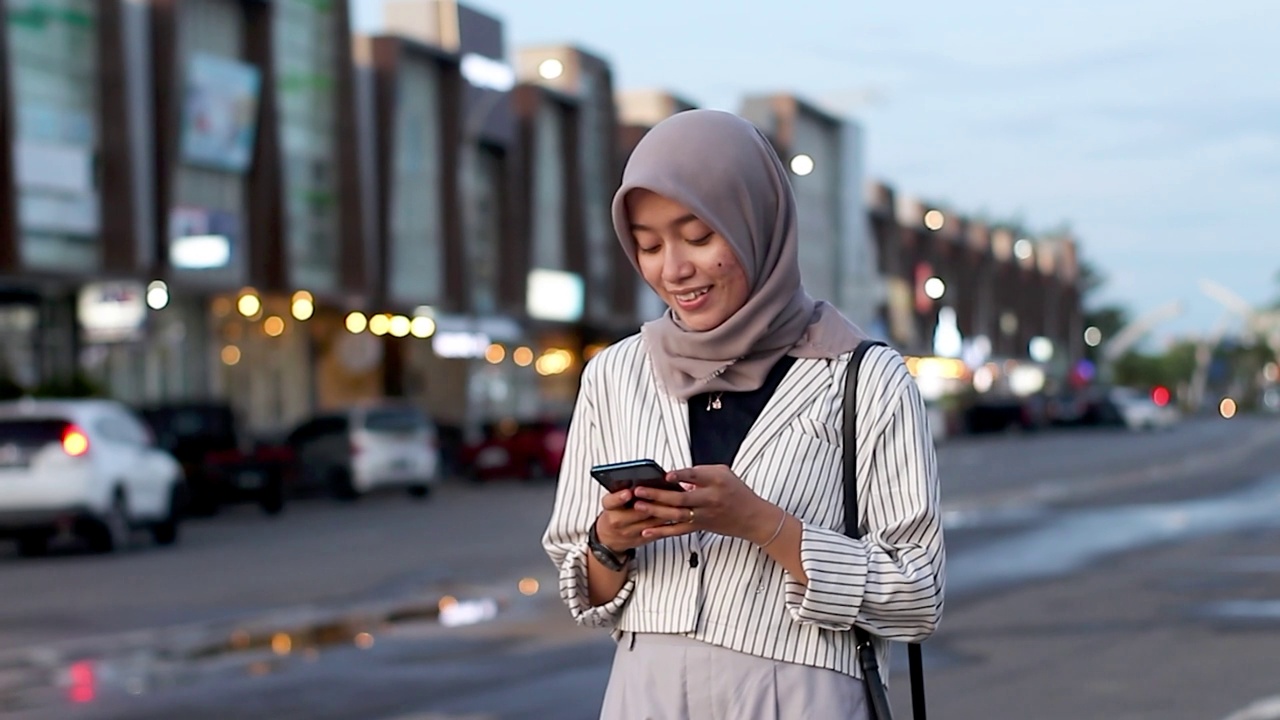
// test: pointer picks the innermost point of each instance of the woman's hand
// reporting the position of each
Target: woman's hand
(620, 527)
(716, 500)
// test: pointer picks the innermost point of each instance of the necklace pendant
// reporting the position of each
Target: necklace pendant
(713, 402)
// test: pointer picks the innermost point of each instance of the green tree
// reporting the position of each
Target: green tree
(1172, 368)
(1110, 320)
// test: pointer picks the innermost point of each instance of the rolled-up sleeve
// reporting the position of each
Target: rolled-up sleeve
(576, 507)
(891, 580)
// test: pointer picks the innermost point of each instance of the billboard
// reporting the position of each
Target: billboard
(202, 238)
(220, 113)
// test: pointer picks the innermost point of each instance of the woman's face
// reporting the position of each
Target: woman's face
(693, 269)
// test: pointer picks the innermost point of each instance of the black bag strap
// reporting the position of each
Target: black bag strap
(876, 696)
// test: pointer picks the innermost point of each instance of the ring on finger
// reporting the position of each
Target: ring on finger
(691, 516)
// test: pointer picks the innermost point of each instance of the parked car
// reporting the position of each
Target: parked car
(517, 451)
(1137, 411)
(84, 468)
(365, 448)
(222, 464)
(993, 412)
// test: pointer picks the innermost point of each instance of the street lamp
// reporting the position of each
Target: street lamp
(802, 164)
(935, 288)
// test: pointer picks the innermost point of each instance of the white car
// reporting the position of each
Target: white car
(1139, 412)
(87, 468)
(374, 446)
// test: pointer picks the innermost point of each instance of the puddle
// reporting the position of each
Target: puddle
(1063, 543)
(1242, 610)
(47, 678)
(1001, 516)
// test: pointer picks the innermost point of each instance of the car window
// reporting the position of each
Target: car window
(318, 427)
(134, 430)
(35, 433)
(394, 420)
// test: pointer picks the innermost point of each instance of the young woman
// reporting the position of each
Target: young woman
(736, 596)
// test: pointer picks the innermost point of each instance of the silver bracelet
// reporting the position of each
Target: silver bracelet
(781, 521)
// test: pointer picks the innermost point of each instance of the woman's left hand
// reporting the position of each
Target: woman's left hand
(716, 500)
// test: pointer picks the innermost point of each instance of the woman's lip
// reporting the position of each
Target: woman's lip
(695, 303)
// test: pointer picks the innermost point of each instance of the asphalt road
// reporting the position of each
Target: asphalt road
(1093, 574)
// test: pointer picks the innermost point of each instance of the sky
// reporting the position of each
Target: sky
(1151, 128)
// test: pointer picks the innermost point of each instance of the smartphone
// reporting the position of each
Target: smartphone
(631, 474)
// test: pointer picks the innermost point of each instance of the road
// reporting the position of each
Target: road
(1092, 574)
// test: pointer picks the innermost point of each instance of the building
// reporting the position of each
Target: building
(825, 156)
(638, 111)
(75, 201)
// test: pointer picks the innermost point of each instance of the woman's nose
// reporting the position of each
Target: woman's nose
(675, 266)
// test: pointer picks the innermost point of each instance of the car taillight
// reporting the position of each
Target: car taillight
(74, 442)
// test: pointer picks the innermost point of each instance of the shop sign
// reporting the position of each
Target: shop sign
(112, 311)
(201, 238)
(460, 345)
(554, 295)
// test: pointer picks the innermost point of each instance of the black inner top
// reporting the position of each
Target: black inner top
(716, 435)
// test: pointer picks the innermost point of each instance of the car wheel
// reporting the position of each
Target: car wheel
(535, 473)
(33, 544)
(165, 532)
(420, 492)
(112, 531)
(272, 499)
(343, 485)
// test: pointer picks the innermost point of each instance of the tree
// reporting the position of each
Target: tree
(1110, 320)
(1172, 368)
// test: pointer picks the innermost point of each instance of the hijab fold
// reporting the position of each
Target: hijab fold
(724, 170)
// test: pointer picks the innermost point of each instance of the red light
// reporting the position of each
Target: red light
(74, 442)
(82, 682)
(1160, 396)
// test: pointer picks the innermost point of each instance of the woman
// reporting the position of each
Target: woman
(736, 598)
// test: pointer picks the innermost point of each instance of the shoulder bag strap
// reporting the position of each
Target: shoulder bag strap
(876, 696)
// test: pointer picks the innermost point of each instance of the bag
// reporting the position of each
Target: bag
(876, 696)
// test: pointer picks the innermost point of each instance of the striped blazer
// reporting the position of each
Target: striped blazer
(890, 581)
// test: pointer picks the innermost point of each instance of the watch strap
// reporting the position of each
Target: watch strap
(607, 556)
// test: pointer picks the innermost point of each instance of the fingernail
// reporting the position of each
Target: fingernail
(642, 507)
(640, 492)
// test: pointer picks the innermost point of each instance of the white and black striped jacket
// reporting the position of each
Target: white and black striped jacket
(890, 581)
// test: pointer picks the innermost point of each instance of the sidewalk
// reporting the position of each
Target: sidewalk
(1190, 631)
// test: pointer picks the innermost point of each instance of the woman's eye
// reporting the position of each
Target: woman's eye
(702, 240)
(649, 250)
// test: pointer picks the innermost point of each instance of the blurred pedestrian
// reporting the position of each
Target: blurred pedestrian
(736, 596)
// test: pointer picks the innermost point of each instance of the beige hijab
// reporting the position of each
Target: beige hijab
(725, 171)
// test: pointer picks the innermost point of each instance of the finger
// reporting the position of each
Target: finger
(666, 531)
(700, 475)
(670, 498)
(616, 500)
(665, 513)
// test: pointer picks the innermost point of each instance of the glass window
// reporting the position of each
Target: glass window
(417, 231)
(306, 48)
(53, 48)
(394, 420)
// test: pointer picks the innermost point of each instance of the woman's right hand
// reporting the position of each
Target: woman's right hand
(619, 527)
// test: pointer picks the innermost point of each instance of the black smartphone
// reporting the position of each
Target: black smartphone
(631, 474)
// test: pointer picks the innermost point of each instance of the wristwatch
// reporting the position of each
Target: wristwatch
(607, 557)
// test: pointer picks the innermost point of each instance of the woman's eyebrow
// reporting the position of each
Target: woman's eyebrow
(678, 222)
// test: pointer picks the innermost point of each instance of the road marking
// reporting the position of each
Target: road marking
(1265, 709)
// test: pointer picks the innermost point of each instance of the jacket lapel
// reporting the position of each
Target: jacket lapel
(675, 425)
(802, 386)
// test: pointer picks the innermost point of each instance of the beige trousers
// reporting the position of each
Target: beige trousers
(672, 677)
